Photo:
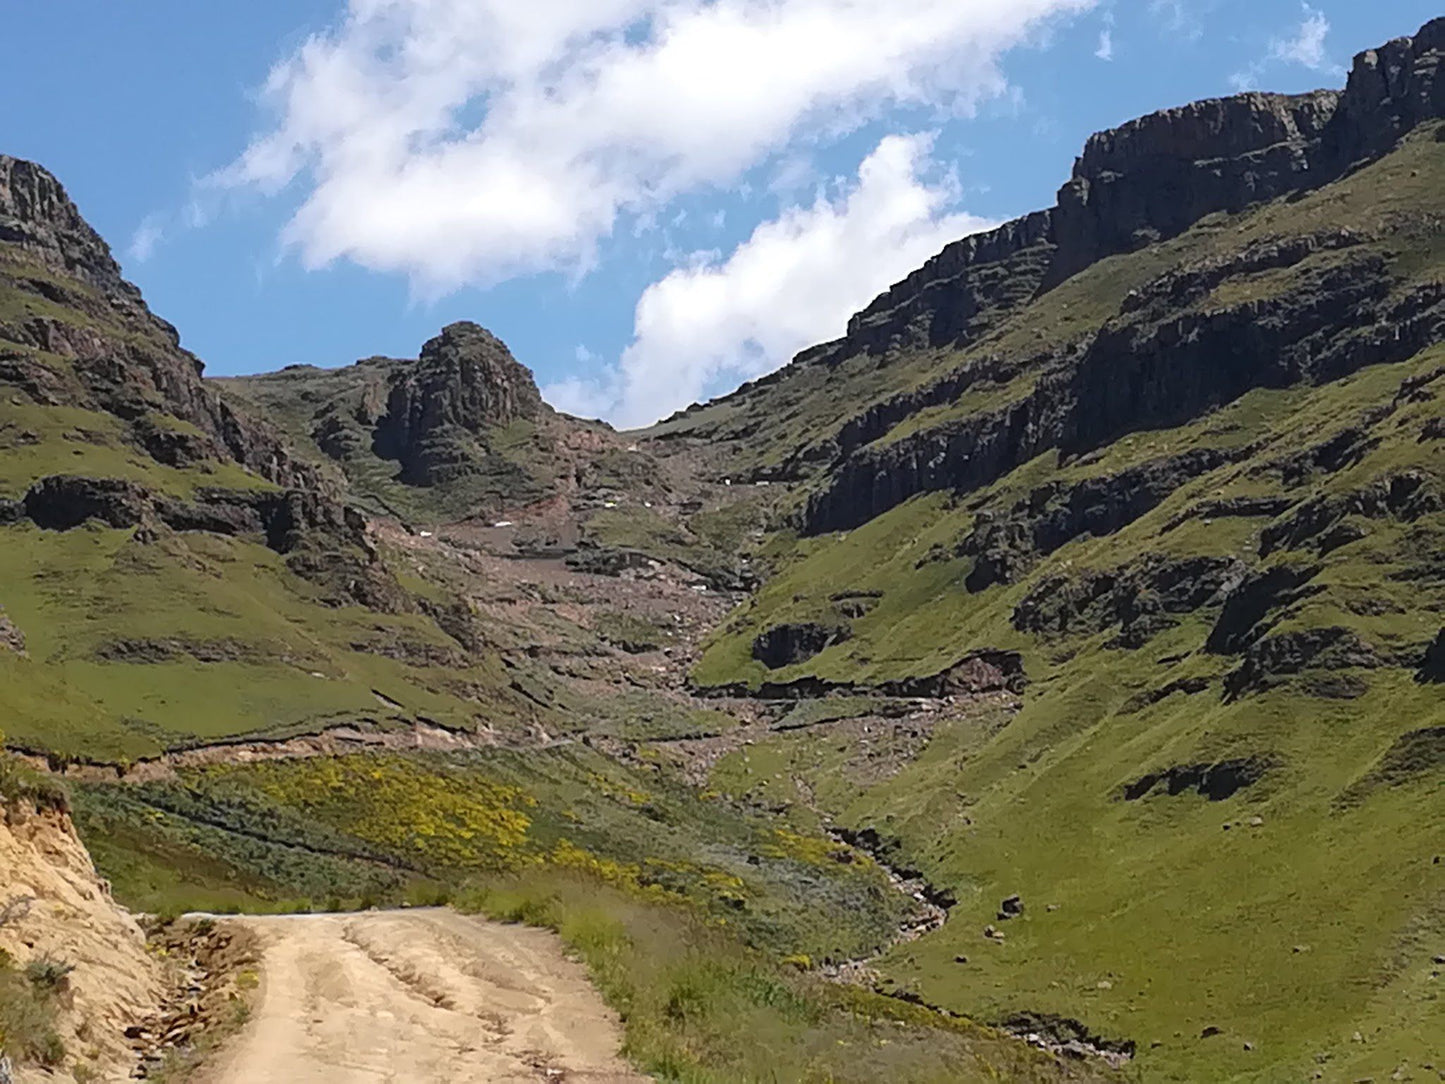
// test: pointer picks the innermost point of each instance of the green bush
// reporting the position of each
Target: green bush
(47, 974)
(27, 1021)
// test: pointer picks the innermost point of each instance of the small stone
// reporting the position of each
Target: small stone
(1300, 948)
(1357, 1038)
(1052, 907)
(1256, 822)
(960, 959)
(1440, 959)
(1209, 1032)
(1104, 984)
(1011, 907)
(1249, 1046)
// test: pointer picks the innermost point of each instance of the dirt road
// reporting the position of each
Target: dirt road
(422, 997)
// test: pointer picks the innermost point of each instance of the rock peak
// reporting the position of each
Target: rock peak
(465, 383)
(464, 335)
(39, 217)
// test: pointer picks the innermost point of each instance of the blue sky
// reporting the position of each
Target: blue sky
(649, 200)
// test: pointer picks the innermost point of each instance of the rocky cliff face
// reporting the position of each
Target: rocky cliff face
(465, 383)
(67, 299)
(1198, 336)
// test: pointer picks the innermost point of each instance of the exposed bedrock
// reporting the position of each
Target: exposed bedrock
(1153, 366)
(127, 360)
(1141, 598)
(284, 518)
(1141, 374)
(1432, 666)
(1007, 546)
(1322, 521)
(785, 645)
(1216, 781)
(1255, 605)
(1326, 651)
(465, 382)
(984, 671)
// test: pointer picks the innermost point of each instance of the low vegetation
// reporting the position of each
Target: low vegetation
(700, 1006)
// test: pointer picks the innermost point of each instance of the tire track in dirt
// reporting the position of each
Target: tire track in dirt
(419, 996)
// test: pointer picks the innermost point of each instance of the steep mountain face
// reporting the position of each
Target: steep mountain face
(161, 541)
(1176, 443)
(944, 335)
(74, 333)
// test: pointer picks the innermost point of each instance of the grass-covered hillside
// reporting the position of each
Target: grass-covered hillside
(172, 574)
(1198, 490)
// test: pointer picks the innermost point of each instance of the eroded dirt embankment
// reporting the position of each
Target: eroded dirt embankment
(56, 909)
(421, 996)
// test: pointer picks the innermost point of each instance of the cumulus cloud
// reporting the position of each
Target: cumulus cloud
(1307, 45)
(465, 141)
(793, 283)
(1105, 51)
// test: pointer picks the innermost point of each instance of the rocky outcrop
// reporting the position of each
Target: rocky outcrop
(1216, 781)
(63, 502)
(1321, 521)
(1286, 654)
(121, 357)
(786, 645)
(465, 383)
(1172, 352)
(1251, 609)
(1156, 176)
(979, 672)
(11, 638)
(961, 291)
(284, 518)
(1006, 546)
(961, 456)
(1154, 369)
(1142, 598)
(1432, 666)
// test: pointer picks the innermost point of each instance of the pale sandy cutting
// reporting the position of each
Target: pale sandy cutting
(72, 920)
(420, 996)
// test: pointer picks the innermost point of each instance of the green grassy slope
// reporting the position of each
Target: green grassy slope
(128, 640)
(1223, 811)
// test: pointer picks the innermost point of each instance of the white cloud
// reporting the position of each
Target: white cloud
(793, 283)
(147, 237)
(1105, 51)
(1307, 45)
(470, 140)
